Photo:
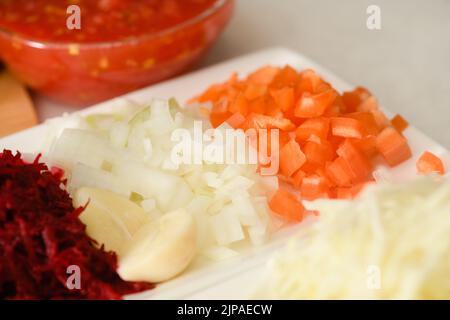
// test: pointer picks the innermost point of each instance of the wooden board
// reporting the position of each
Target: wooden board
(16, 108)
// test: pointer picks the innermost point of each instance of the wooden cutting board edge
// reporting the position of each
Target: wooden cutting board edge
(17, 111)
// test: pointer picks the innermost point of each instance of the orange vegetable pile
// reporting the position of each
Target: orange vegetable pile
(329, 142)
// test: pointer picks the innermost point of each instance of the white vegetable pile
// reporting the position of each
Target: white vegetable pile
(129, 153)
(393, 242)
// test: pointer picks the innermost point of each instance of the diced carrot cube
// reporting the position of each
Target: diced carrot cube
(367, 120)
(350, 192)
(291, 158)
(287, 205)
(311, 106)
(258, 106)
(428, 163)
(399, 123)
(260, 121)
(309, 81)
(340, 172)
(381, 119)
(368, 105)
(240, 104)
(346, 127)
(367, 146)
(284, 98)
(218, 118)
(344, 193)
(393, 146)
(314, 187)
(213, 93)
(287, 76)
(219, 113)
(254, 91)
(263, 76)
(297, 178)
(359, 165)
(236, 120)
(353, 99)
(318, 153)
(318, 127)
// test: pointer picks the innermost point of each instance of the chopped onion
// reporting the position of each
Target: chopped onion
(129, 152)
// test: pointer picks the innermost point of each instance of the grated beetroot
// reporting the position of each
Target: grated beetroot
(41, 236)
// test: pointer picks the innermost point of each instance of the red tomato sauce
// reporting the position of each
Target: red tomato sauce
(123, 45)
(101, 20)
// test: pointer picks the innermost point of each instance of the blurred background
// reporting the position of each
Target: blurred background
(406, 64)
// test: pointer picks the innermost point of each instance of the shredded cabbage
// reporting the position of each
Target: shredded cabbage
(393, 242)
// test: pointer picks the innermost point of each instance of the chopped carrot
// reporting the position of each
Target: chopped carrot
(393, 146)
(212, 94)
(263, 76)
(287, 76)
(219, 113)
(310, 106)
(287, 205)
(381, 119)
(428, 163)
(291, 158)
(346, 127)
(367, 121)
(318, 153)
(236, 120)
(318, 127)
(359, 165)
(284, 98)
(254, 91)
(368, 104)
(350, 192)
(240, 104)
(297, 178)
(259, 121)
(366, 145)
(309, 81)
(399, 123)
(314, 187)
(328, 142)
(353, 99)
(340, 172)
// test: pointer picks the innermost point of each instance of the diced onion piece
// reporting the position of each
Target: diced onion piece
(81, 146)
(148, 205)
(85, 176)
(226, 226)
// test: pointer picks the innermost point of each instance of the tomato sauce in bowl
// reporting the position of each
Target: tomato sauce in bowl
(122, 45)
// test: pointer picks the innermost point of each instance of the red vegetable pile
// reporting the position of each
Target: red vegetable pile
(41, 237)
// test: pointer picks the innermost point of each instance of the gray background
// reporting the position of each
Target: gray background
(406, 64)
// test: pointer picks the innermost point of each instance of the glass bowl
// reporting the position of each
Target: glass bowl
(86, 73)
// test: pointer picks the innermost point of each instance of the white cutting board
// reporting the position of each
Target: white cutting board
(235, 278)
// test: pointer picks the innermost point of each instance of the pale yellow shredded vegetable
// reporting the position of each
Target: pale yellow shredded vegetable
(393, 242)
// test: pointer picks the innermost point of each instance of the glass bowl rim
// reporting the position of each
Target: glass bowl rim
(218, 4)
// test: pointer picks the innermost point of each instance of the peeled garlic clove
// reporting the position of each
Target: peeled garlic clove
(160, 250)
(110, 219)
